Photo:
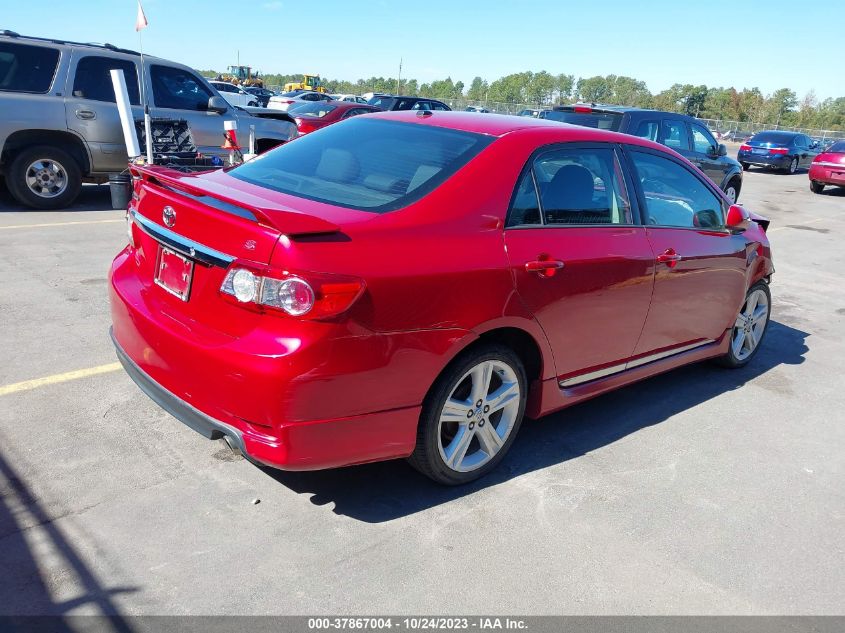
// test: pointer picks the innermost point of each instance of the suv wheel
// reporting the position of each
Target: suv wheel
(44, 177)
(732, 191)
(471, 416)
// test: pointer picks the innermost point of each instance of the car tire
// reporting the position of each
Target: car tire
(460, 420)
(44, 177)
(793, 166)
(748, 331)
(732, 190)
(816, 187)
(745, 166)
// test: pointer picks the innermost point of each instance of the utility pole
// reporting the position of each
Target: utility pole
(399, 79)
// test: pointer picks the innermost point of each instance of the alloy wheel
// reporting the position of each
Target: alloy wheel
(730, 192)
(46, 178)
(793, 166)
(750, 324)
(478, 416)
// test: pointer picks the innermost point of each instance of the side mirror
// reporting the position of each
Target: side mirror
(721, 150)
(217, 104)
(738, 218)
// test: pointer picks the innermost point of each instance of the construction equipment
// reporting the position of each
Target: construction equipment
(309, 82)
(241, 76)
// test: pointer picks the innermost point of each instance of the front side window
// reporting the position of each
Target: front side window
(674, 196)
(365, 164)
(702, 141)
(93, 81)
(178, 89)
(574, 186)
(675, 135)
(26, 68)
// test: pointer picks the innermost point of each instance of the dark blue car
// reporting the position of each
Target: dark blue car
(786, 151)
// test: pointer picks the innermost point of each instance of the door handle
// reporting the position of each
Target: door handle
(669, 257)
(543, 266)
(86, 114)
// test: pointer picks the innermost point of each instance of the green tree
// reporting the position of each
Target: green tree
(478, 89)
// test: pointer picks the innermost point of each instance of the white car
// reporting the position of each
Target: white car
(234, 95)
(349, 98)
(287, 99)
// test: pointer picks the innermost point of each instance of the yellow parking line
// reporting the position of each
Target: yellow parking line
(781, 228)
(57, 378)
(35, 226)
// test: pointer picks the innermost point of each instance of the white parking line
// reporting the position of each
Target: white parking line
(35, 226)
(57, 378)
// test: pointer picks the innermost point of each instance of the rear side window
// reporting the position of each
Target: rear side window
(647, 129)
(26, 68)
(179, 89)
(675, 135)
(674, 196)
(365, 164)
(93, 81)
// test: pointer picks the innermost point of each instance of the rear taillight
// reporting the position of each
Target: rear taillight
(313, 296)
(778, 150)
(744, 148)
(581, 108)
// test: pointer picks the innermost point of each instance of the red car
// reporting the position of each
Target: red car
(412, 284)
(313, 116)
(828, 168)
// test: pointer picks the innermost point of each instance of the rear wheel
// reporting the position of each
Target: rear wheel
(745, 166)
(44, 177)
(793, 166)
(471, 416)
(750, 327)
(816, 187)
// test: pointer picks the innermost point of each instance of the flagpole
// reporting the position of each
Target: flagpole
(144, 97)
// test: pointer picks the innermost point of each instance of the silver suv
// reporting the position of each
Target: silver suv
(59, 124)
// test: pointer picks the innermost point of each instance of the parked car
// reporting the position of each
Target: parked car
(233, 94)
(351, 98)
(407, 103)
(531, 113)
(262, 95)
(285, 100)
(65, 128)
(828, 168)
(310, 116)
(785, 151)
(685, 134)
(411, 286)
(372, 95)
(473, 108)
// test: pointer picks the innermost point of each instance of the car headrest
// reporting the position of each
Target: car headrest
(339, 165)
(571, 188)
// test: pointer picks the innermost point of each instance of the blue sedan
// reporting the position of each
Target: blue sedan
(786, 151)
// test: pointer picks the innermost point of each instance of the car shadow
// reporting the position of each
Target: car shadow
(833, 191)
(374, 493)
(91, 198)
(29, 537)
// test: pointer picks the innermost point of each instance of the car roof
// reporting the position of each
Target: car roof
(500, 125)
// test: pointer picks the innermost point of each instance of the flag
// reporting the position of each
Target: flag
(141, 20)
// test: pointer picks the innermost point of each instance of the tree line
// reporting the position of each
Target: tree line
(544, 89)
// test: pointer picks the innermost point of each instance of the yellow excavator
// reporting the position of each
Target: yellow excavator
(309, 82)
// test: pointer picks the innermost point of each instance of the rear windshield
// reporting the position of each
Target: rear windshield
(601, 120)
(365, 164)
(837, 147)
(773, 137)
(27, 68)
(311, 108)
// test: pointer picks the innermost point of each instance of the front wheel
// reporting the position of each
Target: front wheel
(44, 177)
(471, 416)
(732, 191)
(750, 327)
(816, 187)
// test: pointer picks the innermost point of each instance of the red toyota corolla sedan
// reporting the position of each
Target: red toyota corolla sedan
(311, 115)
(413, 284)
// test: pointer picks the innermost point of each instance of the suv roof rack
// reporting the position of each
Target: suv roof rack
(110, 47)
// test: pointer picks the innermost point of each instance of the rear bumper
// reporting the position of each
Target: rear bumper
(828, 175)
(779, 161)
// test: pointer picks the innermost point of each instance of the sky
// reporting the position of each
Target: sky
(741, 43)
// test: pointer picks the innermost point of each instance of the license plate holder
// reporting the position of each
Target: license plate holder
(759, 151)
(174, 273)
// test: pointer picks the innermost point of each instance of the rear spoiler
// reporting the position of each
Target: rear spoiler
(246, 205)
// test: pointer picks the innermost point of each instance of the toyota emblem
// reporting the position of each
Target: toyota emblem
(169, 216)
